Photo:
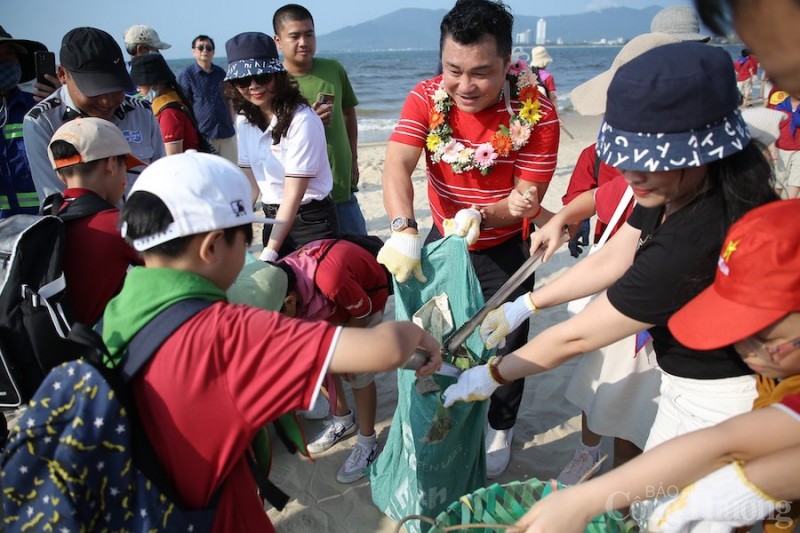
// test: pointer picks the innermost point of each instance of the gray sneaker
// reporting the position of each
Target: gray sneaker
(356, 465)
(332, 432)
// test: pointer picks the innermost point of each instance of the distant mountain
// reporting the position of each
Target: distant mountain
(413, 28)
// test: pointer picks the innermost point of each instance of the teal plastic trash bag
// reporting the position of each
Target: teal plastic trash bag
(413, 475)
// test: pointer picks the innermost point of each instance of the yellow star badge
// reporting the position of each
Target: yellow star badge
(729, 249)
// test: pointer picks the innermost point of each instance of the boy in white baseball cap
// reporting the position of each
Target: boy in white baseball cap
(230, 369)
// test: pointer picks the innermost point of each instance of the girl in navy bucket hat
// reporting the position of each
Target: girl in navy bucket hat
(672, 126)
(282, 146)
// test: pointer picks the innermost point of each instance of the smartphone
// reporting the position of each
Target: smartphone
(325, 98)
(45, 64)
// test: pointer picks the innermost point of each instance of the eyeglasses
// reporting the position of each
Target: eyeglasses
(752, 346)
(260, 79)
(205, 48)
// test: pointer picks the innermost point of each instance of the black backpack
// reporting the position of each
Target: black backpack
(37, 331)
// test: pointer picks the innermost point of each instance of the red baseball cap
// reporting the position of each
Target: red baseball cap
(757, 281)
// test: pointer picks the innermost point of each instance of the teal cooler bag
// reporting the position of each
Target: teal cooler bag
(413, 475)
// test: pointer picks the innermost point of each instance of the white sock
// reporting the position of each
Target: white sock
(367, 440)
(346, 419)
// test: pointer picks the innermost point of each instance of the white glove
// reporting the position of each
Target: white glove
(401, 256)
(725, 497)
(466, 223)
(473, 385)
(269, 255)
(506, 319)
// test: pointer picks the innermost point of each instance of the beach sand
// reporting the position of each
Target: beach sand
(548, 427)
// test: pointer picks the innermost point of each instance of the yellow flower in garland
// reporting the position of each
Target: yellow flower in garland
(530, 111)
(433, 141)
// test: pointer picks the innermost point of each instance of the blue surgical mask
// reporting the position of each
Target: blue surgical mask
(10, 74)
(151, 95)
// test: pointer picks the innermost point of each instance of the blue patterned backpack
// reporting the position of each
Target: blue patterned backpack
(79, 458)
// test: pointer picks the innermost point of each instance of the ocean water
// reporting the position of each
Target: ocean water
(382, 79)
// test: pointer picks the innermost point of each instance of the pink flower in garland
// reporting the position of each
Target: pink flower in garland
(517, 67)
(485, 156)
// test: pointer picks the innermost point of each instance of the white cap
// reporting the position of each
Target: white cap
(141, 34)
(203, 193)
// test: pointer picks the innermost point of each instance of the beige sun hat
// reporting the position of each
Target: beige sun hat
(679, 21)
(764, 123)
(540, 58)
(589, 98)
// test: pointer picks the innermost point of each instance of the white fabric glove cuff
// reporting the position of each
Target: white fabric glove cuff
(725, 495)
(269, 255)
(407, 244)
(520, 310)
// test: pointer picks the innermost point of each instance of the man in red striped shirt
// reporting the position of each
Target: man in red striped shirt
(487, 138)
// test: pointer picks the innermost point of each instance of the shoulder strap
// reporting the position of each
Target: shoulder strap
(159, 329)
(83, 206)
(623, 204)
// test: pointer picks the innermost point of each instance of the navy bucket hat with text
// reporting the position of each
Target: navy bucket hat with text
(250, 54)
(673, 107)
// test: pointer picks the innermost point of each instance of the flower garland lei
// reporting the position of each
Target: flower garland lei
(443, 147)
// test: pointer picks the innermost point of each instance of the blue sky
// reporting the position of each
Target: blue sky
(178, 21)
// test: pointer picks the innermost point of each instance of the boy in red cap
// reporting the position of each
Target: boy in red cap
(754, 304)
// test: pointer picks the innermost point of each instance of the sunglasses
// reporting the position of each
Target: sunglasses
(260, 79)
(205, 48)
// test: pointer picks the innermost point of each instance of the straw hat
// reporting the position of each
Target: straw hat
(679, 21)
(540, 58)
(589, 98)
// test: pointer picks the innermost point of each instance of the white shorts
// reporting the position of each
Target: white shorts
(618, 393)
(691, 404)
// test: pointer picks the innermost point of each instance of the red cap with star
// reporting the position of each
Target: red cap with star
(757, 281)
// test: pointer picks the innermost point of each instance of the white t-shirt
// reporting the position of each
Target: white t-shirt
(302, 153)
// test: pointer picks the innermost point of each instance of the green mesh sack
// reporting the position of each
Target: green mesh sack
(414, 475)
(501, 506)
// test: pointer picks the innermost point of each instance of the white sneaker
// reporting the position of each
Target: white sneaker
(320, 410)
(332, 432)
(498, 451)
(581, 462)
(356, 465)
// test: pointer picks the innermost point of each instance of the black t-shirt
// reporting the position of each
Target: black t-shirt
(674, 262)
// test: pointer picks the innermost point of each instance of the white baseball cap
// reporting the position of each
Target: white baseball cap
(93, 138)
(203, 192)
(141, 34)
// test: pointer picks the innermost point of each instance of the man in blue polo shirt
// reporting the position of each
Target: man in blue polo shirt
(202, 83)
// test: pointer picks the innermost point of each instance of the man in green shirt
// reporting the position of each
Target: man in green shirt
(325, 85)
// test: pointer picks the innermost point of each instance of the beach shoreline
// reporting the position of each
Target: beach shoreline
(548, 426)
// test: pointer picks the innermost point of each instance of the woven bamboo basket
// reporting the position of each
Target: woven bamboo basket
(498, 507)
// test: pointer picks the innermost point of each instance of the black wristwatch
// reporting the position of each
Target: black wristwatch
(401, 223)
